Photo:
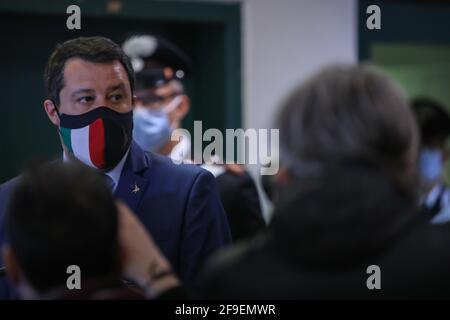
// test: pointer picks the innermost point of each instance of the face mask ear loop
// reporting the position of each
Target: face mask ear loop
(59, 117)
(56, 109)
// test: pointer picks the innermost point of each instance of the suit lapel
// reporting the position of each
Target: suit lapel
(132, 183)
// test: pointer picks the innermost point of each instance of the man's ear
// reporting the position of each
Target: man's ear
(183, 108)
(11, 264)
(51, 111)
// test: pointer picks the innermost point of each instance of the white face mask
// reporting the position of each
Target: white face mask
(431, 164)
(152, 127)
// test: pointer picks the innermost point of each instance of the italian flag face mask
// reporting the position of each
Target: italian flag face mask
(98, 138)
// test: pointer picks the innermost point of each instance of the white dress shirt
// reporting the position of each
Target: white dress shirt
(114, 173)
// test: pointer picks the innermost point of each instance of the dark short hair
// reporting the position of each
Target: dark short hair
(432, 118)
(62, 214)
(92, 49)
(349, 115)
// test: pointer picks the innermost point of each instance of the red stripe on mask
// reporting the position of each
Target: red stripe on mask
(97, 143)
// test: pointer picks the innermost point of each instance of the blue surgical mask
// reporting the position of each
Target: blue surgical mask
(431, 164)
(151, 127)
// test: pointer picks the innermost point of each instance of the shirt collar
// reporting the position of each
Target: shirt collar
(114, 173)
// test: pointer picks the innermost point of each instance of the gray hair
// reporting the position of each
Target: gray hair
(345, 115)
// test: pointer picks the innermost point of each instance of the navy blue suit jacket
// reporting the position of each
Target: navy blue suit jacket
(178, 204)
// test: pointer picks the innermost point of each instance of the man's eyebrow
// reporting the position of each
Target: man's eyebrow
(82, 91)
(115, 87)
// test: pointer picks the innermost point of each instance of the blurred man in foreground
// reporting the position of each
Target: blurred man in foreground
(78, 224)
(346, 224)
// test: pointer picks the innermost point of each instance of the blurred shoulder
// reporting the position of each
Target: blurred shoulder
(7, 188)
(239, 260)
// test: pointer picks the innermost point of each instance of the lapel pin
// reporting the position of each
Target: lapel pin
(135, 188)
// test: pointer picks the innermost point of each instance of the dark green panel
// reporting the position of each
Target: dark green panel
(178, 11)
(233, 58)
(414, 22)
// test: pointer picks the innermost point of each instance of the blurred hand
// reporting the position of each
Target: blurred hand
(235, 168)
(142, 258)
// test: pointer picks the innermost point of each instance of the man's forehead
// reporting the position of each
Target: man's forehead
(77, 70)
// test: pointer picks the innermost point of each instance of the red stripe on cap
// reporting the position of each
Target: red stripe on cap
(97, 143)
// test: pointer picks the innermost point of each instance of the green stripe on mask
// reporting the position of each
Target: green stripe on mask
(65, 133)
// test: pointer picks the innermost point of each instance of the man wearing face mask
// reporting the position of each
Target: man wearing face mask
(160, 106)
(434, 125)
(90, 88)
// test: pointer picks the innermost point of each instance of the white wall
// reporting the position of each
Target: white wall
(284, 41)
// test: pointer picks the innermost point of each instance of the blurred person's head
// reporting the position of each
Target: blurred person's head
(60, 214)
(160, 100)
(90, 84)
(348, 147)
(345, 117)
(434, 126)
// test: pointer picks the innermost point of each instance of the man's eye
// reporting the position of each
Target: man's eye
(86, 99)
(116, 97)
